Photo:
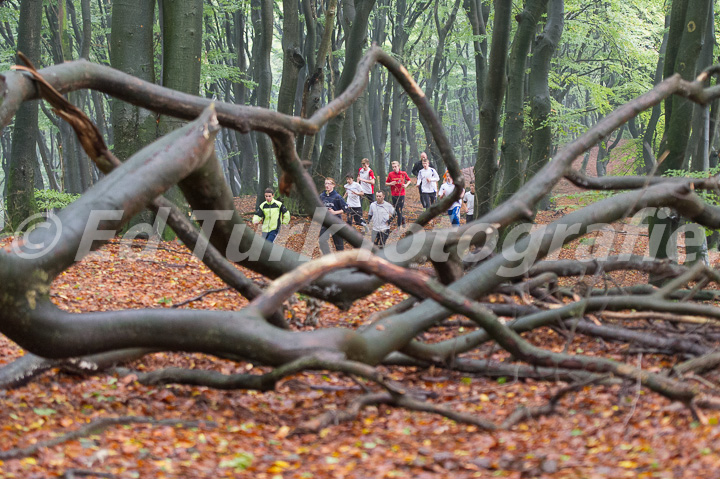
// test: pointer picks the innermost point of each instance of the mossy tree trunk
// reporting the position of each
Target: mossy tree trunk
(512, 161)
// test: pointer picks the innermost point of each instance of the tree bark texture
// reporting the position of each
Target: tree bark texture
(327, 166)
(539, 90)
(486, 164)
(511, 164)
(262, 74)
(20, 199)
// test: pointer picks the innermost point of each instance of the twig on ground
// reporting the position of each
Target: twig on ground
(95, 427)
(550, 408)
(200, 296)
(72, 473)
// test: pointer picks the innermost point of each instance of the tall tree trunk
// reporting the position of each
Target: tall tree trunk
(685, 40)
(649, 135)
(477, 19)
(248, 164)
(486, 164)
(363, 147)
(443, 29)
(263, 26)
(697, 147)
(348, 157)
(375, 88)
(20, 199)
(684, 59)
(293, 59)
(414, 153)
(75, 164)
(327, 165)
(131, 51)
(182, 23)
(539, 90)
(512, 161)
(46, 160)
(313, 90)
(401, 32)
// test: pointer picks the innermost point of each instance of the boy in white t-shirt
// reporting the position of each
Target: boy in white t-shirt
(353, 193)
(446, 190)
(380, 214)
(427, 179)
(469, 200)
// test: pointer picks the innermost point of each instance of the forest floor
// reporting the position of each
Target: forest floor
(600, 432)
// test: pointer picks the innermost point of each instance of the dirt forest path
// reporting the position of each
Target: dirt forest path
(601, 431)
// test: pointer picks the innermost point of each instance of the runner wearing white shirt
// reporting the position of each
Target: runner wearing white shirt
(353, 193)
(427, 180)
(469, 200)
(380, 214)
(445, 190)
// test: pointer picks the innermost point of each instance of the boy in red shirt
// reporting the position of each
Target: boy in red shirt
(397, 181)
(366, 178)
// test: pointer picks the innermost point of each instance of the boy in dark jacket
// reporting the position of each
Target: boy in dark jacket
(335, 204)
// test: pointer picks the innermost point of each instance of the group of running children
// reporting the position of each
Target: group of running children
(381, 213)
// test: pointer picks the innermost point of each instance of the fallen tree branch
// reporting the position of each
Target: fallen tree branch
(94, 427)
(334, 417)
(654, 315)
(551, 407)
(94, 145)
(200, 296)
(29, 366)
(71, 473)
(262, 382)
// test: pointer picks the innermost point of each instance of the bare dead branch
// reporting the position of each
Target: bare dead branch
(96, 426)
(551, 406)
(199, 296)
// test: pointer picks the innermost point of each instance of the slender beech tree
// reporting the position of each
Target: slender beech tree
(76, 166)
(131, 51)
(648, 142)
(182, 23)
(262, 17)
(511, 167)
(443, 29)
(486, 164)
(477, 16)
(688, 21)
(248, 162)
(293, 59)
(539, 90)
(313, 89)
(327, 165)
(403, 23)
(20, 198)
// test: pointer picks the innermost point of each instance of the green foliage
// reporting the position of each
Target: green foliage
(239, 462)
(584, 198)
(48, 200)
(709, 196)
